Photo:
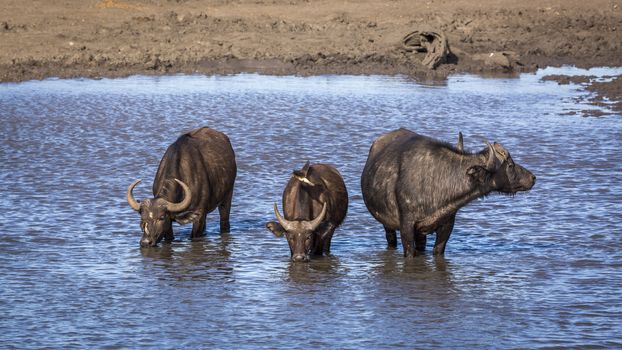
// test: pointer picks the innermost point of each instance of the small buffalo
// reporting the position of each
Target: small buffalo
(416, 184)
(315, 203)
(196, 175)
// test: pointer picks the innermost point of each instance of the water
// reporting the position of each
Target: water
(542, 269)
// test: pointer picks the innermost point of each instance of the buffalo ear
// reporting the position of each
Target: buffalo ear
(478, 174)
(275, 228)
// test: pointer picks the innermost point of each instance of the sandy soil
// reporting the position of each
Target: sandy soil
(110, 38)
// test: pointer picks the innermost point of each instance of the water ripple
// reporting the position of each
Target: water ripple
(541, 269)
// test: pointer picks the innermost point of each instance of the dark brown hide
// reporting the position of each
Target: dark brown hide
(415, 184)
(303, 200)
(204, 160)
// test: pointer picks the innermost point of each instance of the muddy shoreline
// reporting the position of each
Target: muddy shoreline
(113, 38)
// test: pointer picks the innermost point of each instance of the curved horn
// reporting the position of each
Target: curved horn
(318, 220)
(130, 197)
(287, 225)
(492, 158)
(184, 204)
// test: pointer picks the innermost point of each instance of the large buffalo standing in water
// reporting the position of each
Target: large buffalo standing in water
(415, 184)
(315, 203)
(195, 176)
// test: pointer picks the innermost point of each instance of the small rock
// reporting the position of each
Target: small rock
(498, 59)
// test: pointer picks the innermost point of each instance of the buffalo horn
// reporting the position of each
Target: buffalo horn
(492, 158)
(130, 197)
(318, 220)
(287, 225)
(183, 205)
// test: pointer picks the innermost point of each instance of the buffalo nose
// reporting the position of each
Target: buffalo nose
(145, 242)
(300, 258)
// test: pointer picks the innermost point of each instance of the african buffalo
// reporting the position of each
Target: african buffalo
(416, 184)
(195, 176)
(315, 203)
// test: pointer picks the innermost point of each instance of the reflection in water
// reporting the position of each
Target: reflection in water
(319, 268)
(164, 252)
(191, 260)
(541, 269)
(423, 273)
(395, 261)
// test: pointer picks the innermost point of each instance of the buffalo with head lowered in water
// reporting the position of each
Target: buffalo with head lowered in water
(315, 203)
(196, 175)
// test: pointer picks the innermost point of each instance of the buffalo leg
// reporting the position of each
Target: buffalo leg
(442, 235)
(391, 238)
(168, 236)
(420, 241)
(198, 226)
(224, 208)
(326, 236)
(407, 234)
